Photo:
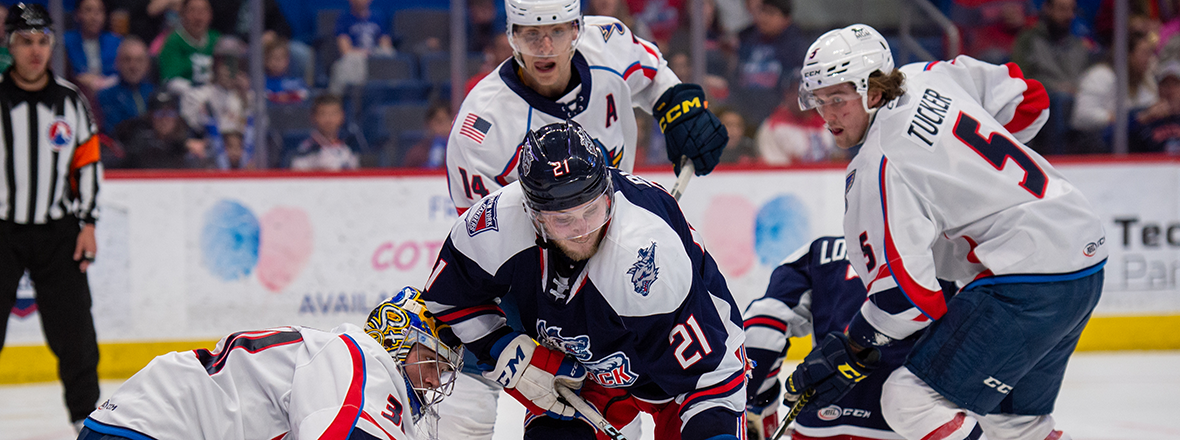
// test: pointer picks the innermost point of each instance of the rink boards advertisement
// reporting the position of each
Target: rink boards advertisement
(190, 257)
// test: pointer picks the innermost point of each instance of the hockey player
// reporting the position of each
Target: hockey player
(814, 289)
(612, 285)
(944, 186)
(592, 70)
(293, 382)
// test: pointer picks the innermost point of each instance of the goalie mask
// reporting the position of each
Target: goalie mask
(567, 188)
(427, 350)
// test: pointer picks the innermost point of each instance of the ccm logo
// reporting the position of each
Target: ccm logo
(999, 386)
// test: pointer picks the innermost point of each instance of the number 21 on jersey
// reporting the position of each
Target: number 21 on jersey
(687, 335)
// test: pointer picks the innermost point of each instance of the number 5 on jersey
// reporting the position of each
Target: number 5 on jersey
(686, 337)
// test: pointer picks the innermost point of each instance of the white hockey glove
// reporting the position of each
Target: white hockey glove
(530, 374)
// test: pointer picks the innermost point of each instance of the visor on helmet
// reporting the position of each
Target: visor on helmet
(551, 40)
(810, 100)
(577, 222)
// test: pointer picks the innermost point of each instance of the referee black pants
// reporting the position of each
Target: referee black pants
(63, 300)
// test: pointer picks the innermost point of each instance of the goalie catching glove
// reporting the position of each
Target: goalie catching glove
(530, 373)
(831, 369)
(690, 128)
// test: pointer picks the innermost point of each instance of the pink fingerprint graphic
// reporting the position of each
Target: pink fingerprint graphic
(284, 246)
(730, 222)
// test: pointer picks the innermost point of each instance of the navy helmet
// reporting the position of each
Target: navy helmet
(562, 168)
(27, 17)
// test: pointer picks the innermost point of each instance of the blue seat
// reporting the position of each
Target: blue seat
(397, 67)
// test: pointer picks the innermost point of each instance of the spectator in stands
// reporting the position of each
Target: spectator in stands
(483, 25)
(233, 17)
(160, 138)
(360, 32)
(660, 17)
(769, 51)
(234, 153)
(147, 19)
(281, 87)
(431, 152)
(1000, 22)
(791, 135)
(1094, 109)
(5, 56)
(740, 149)
(129, 97)
(618, 9)
(720, 46)
(91, 49)
(1049, 53)
(493, 55)
(188, 52)
(220, 105)
(1156, 129)
(325, 150)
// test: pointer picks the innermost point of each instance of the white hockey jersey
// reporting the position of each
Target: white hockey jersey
(618, 71)
(945, 188)
(286, 382)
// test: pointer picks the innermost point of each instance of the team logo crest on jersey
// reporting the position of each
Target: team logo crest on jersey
(644, 272)
(483, 218)
(577, 346)
(610, 29)
(613, 371)
(60, 134)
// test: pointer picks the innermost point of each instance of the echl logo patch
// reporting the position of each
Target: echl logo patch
(60, 134)
(483, 217)
(644, 272)
(851, 177)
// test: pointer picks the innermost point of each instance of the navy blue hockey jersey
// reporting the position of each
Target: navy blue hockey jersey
(649, 312)
(815, 291)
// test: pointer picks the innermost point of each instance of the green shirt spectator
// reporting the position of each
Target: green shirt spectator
(188, 52)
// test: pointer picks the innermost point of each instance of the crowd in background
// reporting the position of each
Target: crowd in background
(366, 83)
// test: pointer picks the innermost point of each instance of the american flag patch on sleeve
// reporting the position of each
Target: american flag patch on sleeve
(475, 127)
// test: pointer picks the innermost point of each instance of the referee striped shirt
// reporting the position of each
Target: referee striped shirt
(48, 152)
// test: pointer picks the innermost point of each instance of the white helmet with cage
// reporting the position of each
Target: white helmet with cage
(539, 14)
(850, 54)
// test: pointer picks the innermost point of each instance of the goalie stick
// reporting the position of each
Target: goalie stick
(795, 410)
(589, 413)
(687, 169)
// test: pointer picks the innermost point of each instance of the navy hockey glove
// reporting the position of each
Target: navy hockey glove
(690, 129)
(530, 373)
(831, 369)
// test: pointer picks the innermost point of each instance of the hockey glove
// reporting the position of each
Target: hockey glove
(690, 129)
(831, 369)
(530, 373)
(762, 414)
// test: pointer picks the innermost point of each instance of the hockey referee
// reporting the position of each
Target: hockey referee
(50, 173)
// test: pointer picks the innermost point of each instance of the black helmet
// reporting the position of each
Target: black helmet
(27, 17)
(561, 167)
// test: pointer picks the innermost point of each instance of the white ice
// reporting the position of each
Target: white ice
(1106, 396)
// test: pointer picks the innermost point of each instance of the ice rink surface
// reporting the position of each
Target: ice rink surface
(1106, 396)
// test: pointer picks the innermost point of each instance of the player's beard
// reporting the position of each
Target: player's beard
(581, 251)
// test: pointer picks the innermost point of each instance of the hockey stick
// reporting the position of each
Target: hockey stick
(589, 413)
(795, 410)
(687, 169)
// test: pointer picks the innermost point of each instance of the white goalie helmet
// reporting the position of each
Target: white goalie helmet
(538, 13)
(850, 54)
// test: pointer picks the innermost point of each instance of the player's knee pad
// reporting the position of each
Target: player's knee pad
(915, 410)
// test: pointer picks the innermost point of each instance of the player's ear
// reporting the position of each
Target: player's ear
(875, 96)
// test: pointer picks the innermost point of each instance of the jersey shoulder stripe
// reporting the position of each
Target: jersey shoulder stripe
(350, 410)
